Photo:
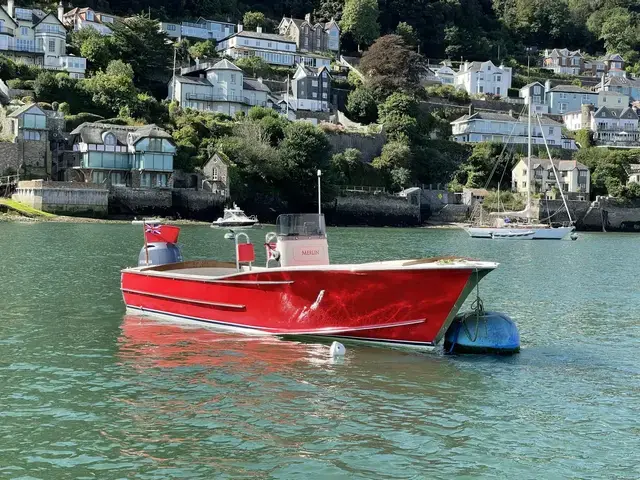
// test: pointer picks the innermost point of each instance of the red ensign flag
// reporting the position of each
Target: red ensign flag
(161, 233)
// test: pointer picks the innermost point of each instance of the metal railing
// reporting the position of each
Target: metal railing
(7, 30)
(9, 180)
(224, 98)
(361, 189)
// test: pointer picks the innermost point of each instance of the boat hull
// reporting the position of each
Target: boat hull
(538, 233)
(409, 308)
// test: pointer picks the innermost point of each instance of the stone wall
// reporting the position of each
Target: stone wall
(9, 159)
(611, 213)
(140, 201)
(64, 198)
(197, 205)
(370, 145)
(373, 210)
(451, 213)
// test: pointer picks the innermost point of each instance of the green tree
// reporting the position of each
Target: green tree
(203, 50)
(407, 33)
(254, 66)
(7, 68)
(118, 67)
(329, 9)
(139, 41)
(389, 65)
(400, 177)
(395, 154)
(114, 89)
(252, 20)
(360, 19)
(361, 106)
(96, 48)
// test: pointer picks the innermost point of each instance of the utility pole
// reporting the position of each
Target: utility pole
(173, 80)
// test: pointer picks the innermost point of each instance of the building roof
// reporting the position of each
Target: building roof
(606, 112)
(622, 82)
(225, 65)
(532, 84)
(503, 117)
(262, 36)
(571, 89)
(92, 132)
(193, 80)
(24, 108)
(310, 71)
(564, 52)
(561, 165)
(250, 84)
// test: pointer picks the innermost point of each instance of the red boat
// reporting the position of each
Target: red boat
(407, 303)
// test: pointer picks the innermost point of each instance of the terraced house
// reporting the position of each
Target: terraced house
(116, 155)
(81, 18)
(201, 29)
(38, 38)
(310, 36)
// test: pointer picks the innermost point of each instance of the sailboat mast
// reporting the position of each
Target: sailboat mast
(529, 176)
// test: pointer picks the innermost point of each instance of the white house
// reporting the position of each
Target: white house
(80, 18)
(202, 29)
(446, 74)
(612, 99)
(221, 88)
(616, 127)
(536, 93)
(37, 38)
(508, 128)
(633, 170)
(574, 177)
(483, 77)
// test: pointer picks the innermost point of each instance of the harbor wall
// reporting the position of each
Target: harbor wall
(375, 210)
(608, 214)
(64, 198)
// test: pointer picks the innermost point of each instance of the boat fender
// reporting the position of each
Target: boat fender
(482, 332)
(337, 350)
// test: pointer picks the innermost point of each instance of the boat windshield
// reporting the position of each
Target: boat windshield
(300, 225)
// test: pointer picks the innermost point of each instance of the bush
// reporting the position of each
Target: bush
(449, 92)
(64, 108)
(45, 106)
(73, 121)
(513, 92)
(20, 84)
(7, 68)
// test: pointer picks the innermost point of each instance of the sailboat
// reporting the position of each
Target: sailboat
(504, 229)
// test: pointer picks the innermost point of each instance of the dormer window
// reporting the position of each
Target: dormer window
(109, 139)
(90, 16)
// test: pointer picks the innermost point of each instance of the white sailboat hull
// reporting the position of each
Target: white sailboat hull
(516, 233)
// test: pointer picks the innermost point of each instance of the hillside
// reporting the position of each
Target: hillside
(474, 29)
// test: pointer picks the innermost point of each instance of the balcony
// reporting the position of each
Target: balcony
(51, 29)
(13, 47)
(225, 98)
(7, 30)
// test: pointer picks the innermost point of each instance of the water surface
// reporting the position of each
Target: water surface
(87, 392)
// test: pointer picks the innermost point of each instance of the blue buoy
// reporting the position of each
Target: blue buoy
(486, 332)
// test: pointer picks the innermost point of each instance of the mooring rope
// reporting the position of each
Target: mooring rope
(478, 311)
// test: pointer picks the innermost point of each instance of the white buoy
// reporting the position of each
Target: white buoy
(337, 350)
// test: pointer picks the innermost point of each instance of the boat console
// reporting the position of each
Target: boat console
(300, 239)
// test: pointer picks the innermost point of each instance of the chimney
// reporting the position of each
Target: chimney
(547, 86)
(240, 27)
(511, 113)
(471, 109)
(260, 79)
(10, 8)
(259, 29)
(307, 18)
(60, 11)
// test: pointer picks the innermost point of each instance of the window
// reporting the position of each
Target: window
(604, 99)
(233, 78)
(109, 139)
(24, 31)
(550, 130)
(34, 121)
(269, 45)
(98, 177)
(480, 89)
(619, 100)
(563, 107)
(52, 46)
(257, 43)
(90, 16)
(498, 78)
(324, 85)
(314, 94)
(537, 99)
(215, 174)
(31, 135)
(563, 95)
(324, 96)
(117, 178)
(537, 90)
(171, 28)
(145, 180)
(314, 83)
(161, 180)
(497, 90)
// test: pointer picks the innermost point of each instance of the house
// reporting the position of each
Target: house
(568, 98)
(216, 174)
(79, 18)
(428, 76)
(574, 177)
(200, 30)
(26, 148)
(535, 92)
(564, 61)
(624, 85)
(609, 65)
(221, 88)
(446, 74)
(311, 89)
(310, 36)
(613, 99)
(273, 49)
(616, 127)
(508, 128)
(472, 196)
(37, 38)
(483, 78)
(633, 170)
(116, 155)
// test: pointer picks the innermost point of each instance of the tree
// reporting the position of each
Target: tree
(360, 19)
(347, 165)
(97, 49)
(361, 106)
(395, 154)
(252, 20)
(118, 67)
(390, 66)
(407, 33)
(329, 9)
(203, 50)
(400, 177)
(114, 89)
(254, 66)
(399, 114)
(139, 41)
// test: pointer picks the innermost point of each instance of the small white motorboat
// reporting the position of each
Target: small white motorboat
(235, 217)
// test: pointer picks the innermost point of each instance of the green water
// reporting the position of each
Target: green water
(86, 392)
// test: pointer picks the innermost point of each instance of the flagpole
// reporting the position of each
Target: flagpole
(146, 246)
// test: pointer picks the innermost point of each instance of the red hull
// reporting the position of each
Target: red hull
(401, 306)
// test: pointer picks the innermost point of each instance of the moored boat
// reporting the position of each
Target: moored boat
(408, 303)
(235, 217)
